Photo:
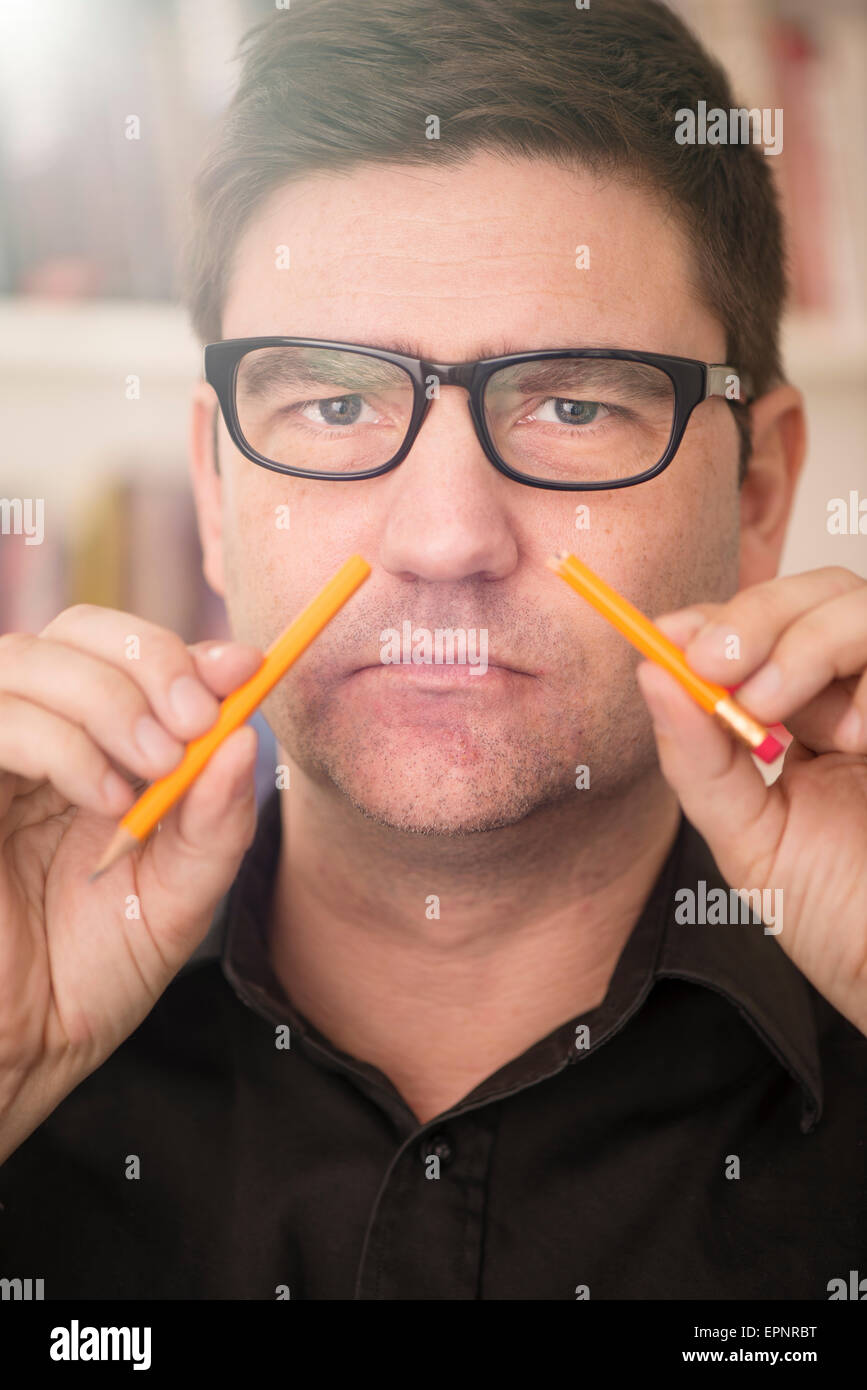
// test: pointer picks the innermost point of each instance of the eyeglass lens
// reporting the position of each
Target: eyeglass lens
(560, 419)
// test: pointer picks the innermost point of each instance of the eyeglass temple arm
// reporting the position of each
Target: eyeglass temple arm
(718, 382)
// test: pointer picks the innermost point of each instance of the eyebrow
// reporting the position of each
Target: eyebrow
(587, 374)
(269, 367)
(493, 349)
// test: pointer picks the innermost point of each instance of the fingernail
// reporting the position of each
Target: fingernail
(191, 703)
(216, 650)
(712, 638)
(851, 729)
(686, 623)
(763, 685)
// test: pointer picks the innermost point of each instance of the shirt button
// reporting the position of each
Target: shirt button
(437, 1146)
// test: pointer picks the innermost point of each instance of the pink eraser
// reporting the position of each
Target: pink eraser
(769, 750)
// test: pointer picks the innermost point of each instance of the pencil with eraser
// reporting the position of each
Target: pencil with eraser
(653, 644)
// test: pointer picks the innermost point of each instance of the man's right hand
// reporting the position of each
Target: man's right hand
(81, 964)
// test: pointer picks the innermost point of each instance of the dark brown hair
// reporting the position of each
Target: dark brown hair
(331, 84)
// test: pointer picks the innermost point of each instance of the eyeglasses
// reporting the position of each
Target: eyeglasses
(576, 419)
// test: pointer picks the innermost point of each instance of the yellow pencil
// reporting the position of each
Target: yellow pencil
(237, 707)
(652, 643)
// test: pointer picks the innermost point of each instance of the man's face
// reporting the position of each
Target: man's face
(454, 264)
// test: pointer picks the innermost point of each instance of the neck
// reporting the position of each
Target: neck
(485, 942)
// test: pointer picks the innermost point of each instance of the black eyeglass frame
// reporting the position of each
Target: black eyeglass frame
(693, 382)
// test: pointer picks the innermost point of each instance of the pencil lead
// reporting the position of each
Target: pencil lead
(122, 842)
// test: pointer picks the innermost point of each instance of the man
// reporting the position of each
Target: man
(464, 1026)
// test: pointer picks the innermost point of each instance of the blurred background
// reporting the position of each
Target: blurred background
(97, 360)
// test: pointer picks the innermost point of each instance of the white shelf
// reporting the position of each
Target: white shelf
(97, 338)
(818, 351)
(105, 337)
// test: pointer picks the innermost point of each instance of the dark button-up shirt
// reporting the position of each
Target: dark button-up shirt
(702, 1133)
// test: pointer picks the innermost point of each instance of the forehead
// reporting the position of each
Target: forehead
(471, 260)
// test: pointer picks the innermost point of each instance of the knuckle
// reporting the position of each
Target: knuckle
(69, 618)
(84, 754)
(167, 655)
(843, 579)
(14, 643)
(810, 627)
(754, 602)
(78, 612)
(118, 703)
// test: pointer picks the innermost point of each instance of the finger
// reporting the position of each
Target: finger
(821, 724)
(852, 731)
(760, 613)
(92, 694)
(223, 666)
(738, 636)
(720, 789)
(826, 644)
(155, 658)
(681, 626)
(42, 746)
(194, 855)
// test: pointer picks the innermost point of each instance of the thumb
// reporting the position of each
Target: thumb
(193, 855)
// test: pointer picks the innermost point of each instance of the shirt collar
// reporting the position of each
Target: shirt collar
(742, 963)
(747, 967)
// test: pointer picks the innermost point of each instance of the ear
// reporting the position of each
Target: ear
(207, 484)
(779, 442)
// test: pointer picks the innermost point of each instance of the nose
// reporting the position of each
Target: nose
(449, 515)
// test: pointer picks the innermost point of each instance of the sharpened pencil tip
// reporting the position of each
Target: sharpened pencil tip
(121, 844)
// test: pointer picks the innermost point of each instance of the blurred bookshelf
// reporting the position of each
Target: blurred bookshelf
(811, 61)
(89, 228)
(94, 402)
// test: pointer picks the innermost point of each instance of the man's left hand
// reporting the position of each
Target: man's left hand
(799, 647)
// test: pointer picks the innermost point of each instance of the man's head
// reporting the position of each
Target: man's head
(326, 211)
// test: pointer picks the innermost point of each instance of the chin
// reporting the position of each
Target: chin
(447, 801)
(421, 818)
(441, 780)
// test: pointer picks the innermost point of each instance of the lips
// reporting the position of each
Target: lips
(432, 676)
(491, 662)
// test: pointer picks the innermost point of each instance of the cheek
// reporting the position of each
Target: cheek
(697, 527)
(257, 552)
(674, 540)
(283, 537)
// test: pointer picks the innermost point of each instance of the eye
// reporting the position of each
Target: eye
(337, 410)
(564, 411)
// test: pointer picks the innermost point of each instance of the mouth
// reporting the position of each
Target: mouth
(438, 677)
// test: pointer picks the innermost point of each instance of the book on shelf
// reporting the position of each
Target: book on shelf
(131, 544)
